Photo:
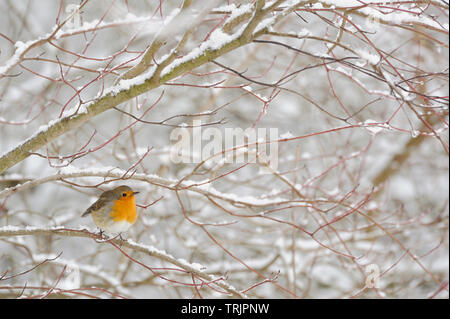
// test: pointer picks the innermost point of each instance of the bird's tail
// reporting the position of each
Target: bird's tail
(87, 212)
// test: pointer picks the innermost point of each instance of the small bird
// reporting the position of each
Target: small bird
(115, 210)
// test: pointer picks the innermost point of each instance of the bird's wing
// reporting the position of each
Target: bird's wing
(92, 208)
(104, 198)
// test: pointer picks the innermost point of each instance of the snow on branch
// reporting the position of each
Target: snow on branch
(205, 189)
(127, 89)
(195, 269)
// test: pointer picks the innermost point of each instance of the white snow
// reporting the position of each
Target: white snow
(287, 135)
(373, 127)
(373, 59)
(20, 49)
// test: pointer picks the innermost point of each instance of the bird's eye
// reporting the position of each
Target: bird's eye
(124, 194)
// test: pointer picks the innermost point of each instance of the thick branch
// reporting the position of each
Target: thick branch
(124, 91)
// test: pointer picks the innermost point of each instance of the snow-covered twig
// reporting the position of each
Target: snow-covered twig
(196, 269)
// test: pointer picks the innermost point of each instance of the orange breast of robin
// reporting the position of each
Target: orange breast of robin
(124, 209)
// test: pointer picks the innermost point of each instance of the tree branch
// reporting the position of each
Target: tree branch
(128, 89)
(10, 231)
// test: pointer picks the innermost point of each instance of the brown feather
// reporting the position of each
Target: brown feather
(97, 205)
(106, 198)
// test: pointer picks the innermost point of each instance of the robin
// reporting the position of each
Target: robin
(115, 210)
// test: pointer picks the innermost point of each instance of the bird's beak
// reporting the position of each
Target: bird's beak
(134, 193)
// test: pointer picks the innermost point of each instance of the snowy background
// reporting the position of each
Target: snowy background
(357, 207)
